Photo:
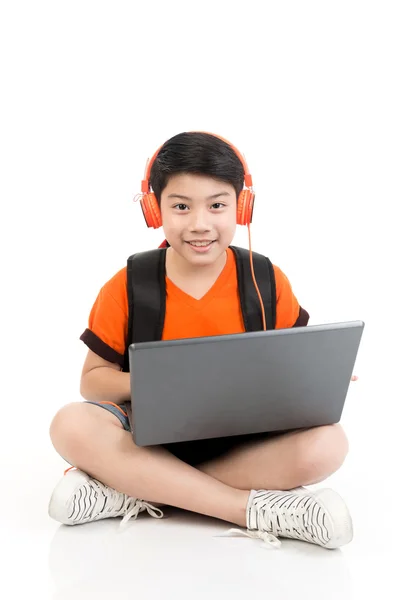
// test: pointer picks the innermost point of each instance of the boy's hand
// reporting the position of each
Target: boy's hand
(354, 378)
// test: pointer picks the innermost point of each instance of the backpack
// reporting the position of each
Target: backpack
(147, 294)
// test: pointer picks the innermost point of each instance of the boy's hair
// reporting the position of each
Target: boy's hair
(199, 153)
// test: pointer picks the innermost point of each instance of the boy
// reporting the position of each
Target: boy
(253, 482)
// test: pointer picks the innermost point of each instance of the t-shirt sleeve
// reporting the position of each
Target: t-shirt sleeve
(108, 321)
(289, 313)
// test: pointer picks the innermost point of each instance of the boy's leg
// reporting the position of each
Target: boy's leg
(93, 440)
(282, 462)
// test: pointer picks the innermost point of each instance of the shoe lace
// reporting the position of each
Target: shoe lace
(267, 538)
(138, 506)
(129, 507)
(274, 521)
(279, 520)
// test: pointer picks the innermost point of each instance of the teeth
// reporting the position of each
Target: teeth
(200, 243)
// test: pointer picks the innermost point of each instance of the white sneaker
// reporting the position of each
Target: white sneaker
(79, 499)
(320, 517)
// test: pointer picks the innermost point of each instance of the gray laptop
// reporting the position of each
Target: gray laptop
(264, 381)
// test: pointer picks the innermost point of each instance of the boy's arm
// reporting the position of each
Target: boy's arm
(102, 380)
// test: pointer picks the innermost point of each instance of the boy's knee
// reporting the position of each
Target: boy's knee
(324, 451)
(75, 426)
(67, 426)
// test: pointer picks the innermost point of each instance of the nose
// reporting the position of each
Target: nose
(199, 220)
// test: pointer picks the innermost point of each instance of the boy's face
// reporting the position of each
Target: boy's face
(199, 217)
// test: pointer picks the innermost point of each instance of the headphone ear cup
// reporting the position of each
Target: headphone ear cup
(245, 207)
(151, 210)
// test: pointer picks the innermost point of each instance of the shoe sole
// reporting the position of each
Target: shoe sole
(342, 525)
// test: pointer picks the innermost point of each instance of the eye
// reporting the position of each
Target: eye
(181, 206)
(218, 205)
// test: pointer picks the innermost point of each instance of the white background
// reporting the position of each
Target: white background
(309, 91)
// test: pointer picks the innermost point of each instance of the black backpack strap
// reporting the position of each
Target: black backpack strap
(265, 277)
(147, 294)
(146, 298)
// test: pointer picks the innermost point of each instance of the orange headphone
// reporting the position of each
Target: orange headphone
(245, 203)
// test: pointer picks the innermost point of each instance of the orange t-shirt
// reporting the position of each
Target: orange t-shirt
(218, 312)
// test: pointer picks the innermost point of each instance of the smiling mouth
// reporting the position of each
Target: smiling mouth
(200, 244)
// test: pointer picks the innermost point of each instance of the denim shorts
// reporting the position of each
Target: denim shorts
(195, 452)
